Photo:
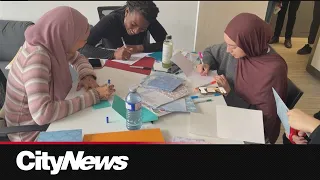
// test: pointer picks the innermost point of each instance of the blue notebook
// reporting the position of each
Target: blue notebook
(61, 136)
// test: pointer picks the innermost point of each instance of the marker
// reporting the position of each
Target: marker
(140, 67)
(196, 97)
(213, 82)
(107, 119)
(124, 44)
(200, 56)
(206, 100)
(108, 81)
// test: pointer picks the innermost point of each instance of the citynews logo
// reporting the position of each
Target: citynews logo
(40, 161)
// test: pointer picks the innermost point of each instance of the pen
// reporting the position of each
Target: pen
(140, 67)
(207, 100)
(124, 44)
(108, 81)
(200, 56)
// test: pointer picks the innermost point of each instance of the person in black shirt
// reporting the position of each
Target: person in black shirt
(305, 123)
(132, 21)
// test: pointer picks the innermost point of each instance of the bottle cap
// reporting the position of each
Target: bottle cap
(168, 37)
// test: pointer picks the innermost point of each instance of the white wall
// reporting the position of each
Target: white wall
(316, 57)
(178, 17)
(215, 15)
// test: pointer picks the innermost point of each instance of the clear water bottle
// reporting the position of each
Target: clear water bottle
(133, 106)
(167, 51)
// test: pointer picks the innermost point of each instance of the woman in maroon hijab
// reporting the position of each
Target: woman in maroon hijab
(249, 68)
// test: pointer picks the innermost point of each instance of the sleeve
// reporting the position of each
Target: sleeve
(158, 33)
(82, 66)
(100, 30)
(315, 136)
(209, 57)
(42, 108)
(91, 51)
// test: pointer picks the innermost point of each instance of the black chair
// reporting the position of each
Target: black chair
(294, 94)
(105, 10)
(4, 130)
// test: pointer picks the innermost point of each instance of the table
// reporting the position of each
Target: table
(94, 121)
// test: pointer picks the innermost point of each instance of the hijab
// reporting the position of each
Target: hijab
(259, 71)
(57, 31)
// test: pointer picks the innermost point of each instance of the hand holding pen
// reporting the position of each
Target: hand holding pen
(123, 53)
(202, 68)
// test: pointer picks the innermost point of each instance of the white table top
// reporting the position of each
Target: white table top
(94, 121)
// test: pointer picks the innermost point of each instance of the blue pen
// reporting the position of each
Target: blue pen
(107, 119)
(108, 81)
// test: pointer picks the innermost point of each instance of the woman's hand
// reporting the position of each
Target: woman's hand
(123, 53)
(136, 48)
(299, 139)
(105, 91)
(223, 82)
(88, 82)
(203, 69)
(301, 121)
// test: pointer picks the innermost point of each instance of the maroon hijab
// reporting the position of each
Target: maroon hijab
(259, 71)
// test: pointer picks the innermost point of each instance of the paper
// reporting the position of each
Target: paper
(145, 62)
(191, 107)
(184, 140)
(203, 124)
(187, 67)
(61, 136)
(157, 56)
(102, 104)
(157, 66)
(142, 135)
(119, 106)
(134, 58)
(166, 83)
(240, 124)
(282, 110)
(175, 106)
(154, 98)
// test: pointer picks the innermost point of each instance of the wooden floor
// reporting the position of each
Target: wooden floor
(310, 101)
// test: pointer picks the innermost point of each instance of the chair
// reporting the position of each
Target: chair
(4, 130)
(105, 10)
(294, 94)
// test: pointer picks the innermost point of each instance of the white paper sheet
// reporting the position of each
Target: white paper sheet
(187, 67)
(240, 124)
(203, 125)
(183, 140)
(134, 58)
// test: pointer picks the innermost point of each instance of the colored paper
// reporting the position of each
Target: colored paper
(61, 136)
(119, 106)
(282, 110)
(142, 135)
(102, 104)
(144, 62)
(165, 82)
(175, 106)
(156, 55)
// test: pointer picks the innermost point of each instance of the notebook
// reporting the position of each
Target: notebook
(61, 136)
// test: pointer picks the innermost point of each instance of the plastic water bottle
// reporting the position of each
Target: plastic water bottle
(167, 51)
(133, 106)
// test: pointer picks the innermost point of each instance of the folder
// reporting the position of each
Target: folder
(144, 62)
(143, 135)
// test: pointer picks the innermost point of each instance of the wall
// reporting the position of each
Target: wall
(178, 17)
(316, 57)
(215, 15)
